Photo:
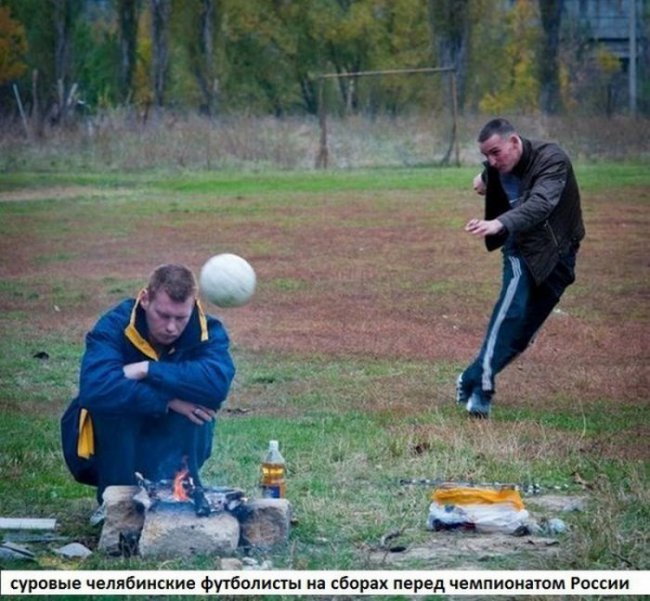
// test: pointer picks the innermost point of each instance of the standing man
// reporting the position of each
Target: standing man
(532, 211)
(154, 373)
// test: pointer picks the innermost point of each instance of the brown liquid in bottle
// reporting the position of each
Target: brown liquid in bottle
(273, 483)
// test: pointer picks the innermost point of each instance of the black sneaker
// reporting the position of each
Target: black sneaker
(478, 406)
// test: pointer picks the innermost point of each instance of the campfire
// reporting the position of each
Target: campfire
(183, 483)
(180, 517)
(186, 488)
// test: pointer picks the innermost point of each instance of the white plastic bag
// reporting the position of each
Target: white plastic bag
(496, 517)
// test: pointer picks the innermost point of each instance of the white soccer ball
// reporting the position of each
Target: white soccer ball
(227, 280)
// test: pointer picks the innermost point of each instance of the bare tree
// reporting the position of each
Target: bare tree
(160, 14)
(64, 15)
(61, 23)
(450, 24)
(128, 29)
(549, 71)
(205, 68)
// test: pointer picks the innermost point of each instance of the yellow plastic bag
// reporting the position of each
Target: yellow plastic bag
(468, 495)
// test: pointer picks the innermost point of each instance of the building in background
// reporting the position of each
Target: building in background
(619, 27)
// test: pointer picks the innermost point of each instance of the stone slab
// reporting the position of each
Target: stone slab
(265, 522)
(123, 522)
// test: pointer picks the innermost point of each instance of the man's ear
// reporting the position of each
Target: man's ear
(144, 298)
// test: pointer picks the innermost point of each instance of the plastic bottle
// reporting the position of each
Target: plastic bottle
(273, 472)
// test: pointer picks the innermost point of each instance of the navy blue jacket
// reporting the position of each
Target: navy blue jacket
(198, 368)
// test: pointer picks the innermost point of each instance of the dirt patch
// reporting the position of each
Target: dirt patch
(51, 193)
(551, 505)
(463, 550)
(467, 550)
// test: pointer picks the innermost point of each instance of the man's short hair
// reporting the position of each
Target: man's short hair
(500, 126)
(177, 281)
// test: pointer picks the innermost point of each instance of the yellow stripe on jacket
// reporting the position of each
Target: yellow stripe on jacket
(86, 440)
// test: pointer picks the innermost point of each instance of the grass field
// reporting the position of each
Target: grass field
(370, 299)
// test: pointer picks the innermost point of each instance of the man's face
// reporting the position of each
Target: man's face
(502, 153)
(166, 319)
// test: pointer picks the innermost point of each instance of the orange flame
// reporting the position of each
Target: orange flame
(180, 494)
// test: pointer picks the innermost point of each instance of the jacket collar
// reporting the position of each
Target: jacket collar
(136, 330)
(526, 154)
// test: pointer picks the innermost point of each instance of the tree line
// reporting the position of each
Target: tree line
(267, 56)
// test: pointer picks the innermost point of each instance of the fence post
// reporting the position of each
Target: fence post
(21, 110)
(454, 111)
(322, 159)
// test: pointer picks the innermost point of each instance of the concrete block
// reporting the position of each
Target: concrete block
(174, 530)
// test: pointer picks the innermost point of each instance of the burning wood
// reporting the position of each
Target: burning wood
(183, 489)
(182, 482)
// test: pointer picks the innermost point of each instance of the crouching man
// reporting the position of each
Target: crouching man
(154, 373)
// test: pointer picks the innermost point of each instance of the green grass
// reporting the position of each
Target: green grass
(236, 183)
(592, 177)
(608, 176)
(352, 423)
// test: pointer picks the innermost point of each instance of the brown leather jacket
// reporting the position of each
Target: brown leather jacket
(547, 223)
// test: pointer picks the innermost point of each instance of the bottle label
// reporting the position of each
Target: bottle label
(271, 491)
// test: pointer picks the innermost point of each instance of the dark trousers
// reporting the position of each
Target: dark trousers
(521, 309)
(158, 448)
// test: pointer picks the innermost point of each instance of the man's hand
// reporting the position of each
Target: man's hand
(479, 185)
(136, 371)
(480, 227)
(197, 414)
